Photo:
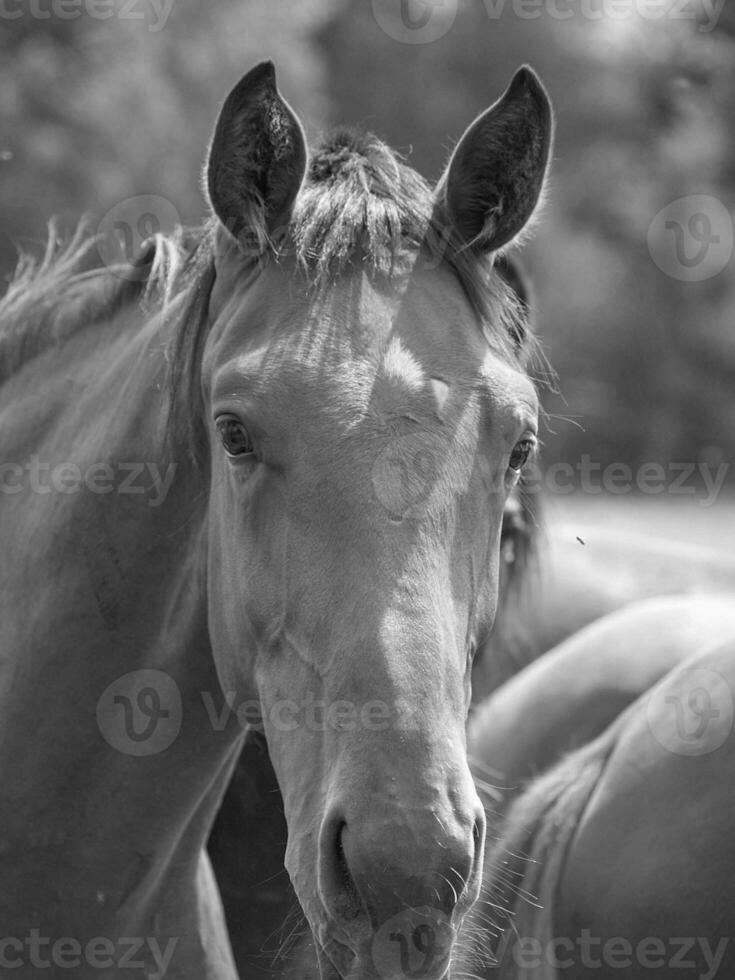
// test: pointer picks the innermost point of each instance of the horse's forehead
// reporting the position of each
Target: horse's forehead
(390, 377)
(404, 348)
(419, 326)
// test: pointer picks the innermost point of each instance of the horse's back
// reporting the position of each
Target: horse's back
(623, 847)
(572, 693)
(652, 857)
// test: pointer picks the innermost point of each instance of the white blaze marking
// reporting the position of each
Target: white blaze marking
(400, 365)
(441, 393)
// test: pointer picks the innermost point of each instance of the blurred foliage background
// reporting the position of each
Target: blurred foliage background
(98, 109)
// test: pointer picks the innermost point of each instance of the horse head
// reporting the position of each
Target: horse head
(366, 413)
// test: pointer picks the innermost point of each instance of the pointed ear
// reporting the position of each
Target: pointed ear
(256, 160)
(495, 175)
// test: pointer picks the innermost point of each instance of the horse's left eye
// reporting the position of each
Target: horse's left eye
(520, 454)
(235, 437)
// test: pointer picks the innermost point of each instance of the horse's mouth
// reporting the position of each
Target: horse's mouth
(339, 962)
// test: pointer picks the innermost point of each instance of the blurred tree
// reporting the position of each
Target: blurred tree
(95, 111)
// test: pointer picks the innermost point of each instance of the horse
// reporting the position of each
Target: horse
(258, 900)
(579, 756)
(258, 471)
(611, 849)
(572, 693)
(551, 587)
(562, 577)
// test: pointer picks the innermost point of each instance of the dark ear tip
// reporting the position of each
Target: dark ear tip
(526, 80)
(526, 75)
(264, 73)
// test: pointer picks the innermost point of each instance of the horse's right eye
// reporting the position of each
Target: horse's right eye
(520, 454)
(235, 437)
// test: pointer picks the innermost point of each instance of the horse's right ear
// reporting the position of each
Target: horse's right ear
(496, 173)
(256, 161)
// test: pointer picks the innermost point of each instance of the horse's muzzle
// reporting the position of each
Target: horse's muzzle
(396, 880)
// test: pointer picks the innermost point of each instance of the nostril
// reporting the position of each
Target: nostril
(478, 841)
(478, 832)
(337, 884)
(343, 870)
(370, 869)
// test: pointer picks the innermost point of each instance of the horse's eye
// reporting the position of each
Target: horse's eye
(520, 454)
(235, 437)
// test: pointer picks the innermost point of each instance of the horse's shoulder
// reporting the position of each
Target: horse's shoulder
(573, 692)
(662, 808)
(525, 859)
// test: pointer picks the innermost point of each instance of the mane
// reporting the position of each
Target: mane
(53, 297)
(361, 203)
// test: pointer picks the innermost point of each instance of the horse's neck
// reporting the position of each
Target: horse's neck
(110, 761)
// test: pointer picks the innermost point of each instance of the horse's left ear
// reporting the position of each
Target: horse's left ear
(495, 175)
(256, 161)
